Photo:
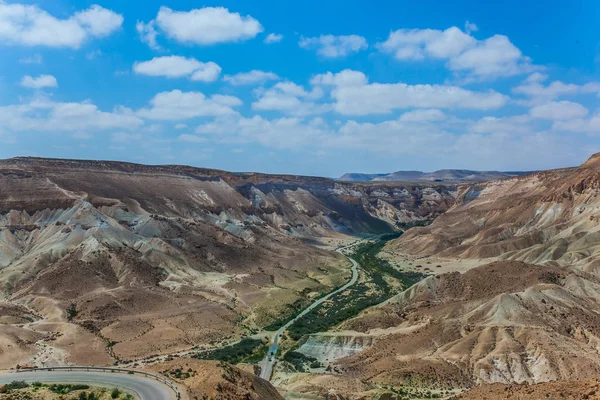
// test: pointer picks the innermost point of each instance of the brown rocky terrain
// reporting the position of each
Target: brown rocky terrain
(523, 312)
(217, 381)
(505, 322)
(548, 218)
(137, 260)
(121, 261)
(572, 390)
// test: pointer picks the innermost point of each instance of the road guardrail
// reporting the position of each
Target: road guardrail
(167, 382)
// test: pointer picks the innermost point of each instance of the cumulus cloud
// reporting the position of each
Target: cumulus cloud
(201, 26)
(290, 98)
(520, 124)
(99, 21)
(177, 67)
(29, 25)
(286, 132)
(273, 38)
(148, 34)
(493, 57)
(42, 81)
(536, 77)
(178, 105)
(334, 46)
(44, 115)
(423, 116)
(411, 137)
(346, 77)
(354, 96)
(559, 110)
(251, 77)
(416, 44)
(589, 125)
(538, 93)
(475, 59)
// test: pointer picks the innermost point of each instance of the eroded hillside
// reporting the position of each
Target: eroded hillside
(121, 261)
(524, 310)
(550, 218)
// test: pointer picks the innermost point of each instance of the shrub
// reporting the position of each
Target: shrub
(71, 311)
(16, 385)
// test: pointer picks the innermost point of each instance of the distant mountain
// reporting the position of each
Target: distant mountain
(443, 175)
(358, 177)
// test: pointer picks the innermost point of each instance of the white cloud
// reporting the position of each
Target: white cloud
(273, 38)
(539, 93)
(47, 116)
(414, 141)
(291, 99)
(99, 21)
(42, 81)
(31, 26)
(477, 59)
(536, 77)
(346, 77)
(177, 105)
(520, 124)
(334, 46)
(493, 57)
(288, 132)
(423, 116)
(181, 126)
(415, 44)
(553, 90)
(362, 98)
(177, 67)
(559, 110)
(392, 136)
(148, 34)
(203, 26)
(590, 125)
(248, 78)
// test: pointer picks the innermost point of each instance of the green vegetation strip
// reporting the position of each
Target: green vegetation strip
(378, 285)
(62, 389)
(247, 350)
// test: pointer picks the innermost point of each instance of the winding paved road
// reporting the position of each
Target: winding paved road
(141, 387)
(269, 361)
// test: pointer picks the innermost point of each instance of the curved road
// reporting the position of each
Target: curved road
(269, 360)
(141, 387)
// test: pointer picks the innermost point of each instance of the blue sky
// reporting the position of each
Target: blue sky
(313, 87)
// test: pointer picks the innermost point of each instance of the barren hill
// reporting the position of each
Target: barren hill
(120, 260)
(531, 316)
(549, 217)
(506, 322)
